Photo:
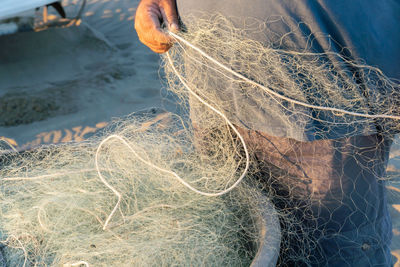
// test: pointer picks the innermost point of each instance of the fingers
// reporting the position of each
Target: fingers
(160, 48)
(170, 14)
(148, 27)
(157, 41)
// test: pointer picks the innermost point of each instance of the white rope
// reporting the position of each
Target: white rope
(105, 182)
(175, 175)
(269, 91)
(226, 120)
(159, 169)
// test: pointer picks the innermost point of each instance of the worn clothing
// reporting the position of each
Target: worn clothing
(358, 30)
(331, 192)
(330, 183)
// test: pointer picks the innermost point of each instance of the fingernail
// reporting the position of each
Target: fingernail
(174, 27)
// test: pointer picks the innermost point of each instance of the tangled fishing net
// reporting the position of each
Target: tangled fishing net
(119, 204)
(289, 91)
(280, 95)
(187, 190)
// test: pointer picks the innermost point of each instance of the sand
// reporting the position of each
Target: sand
(62, 84)
(66, 84)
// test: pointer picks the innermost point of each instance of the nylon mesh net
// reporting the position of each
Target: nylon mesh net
(318, 126)
(309, 131)
(139, 195)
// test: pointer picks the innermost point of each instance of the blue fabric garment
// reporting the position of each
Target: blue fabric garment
(369, 29)
(342, 169)
(331, 196)
(359, 30)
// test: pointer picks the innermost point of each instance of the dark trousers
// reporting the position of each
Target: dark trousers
(331, 197)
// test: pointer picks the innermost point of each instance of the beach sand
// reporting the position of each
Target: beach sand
(65, 84)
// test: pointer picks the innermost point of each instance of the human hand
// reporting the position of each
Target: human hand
(150, 14)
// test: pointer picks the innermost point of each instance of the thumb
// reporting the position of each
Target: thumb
(170, 14)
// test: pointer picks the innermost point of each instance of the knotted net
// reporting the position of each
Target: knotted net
(186, 190)
(318, 127)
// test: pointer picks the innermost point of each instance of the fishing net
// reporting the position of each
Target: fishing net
(319, 127)
(310, 131)
(120, 201)
(292, 93)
